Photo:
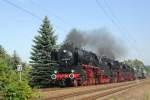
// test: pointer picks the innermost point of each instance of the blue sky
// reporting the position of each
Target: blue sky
(17, 28)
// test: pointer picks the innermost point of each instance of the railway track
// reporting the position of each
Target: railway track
(89, 93)
(101, 95)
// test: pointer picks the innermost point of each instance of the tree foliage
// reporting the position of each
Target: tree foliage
(11, 87)
(41, 59)
(15, 60)
(135, 63)
(148, 69)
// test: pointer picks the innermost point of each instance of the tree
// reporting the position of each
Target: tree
(148, 69)
(135, 63)
(11, 88)
(41, 59)
(15, 60)
(2, 51)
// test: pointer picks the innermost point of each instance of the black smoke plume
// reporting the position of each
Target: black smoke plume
(99, 41)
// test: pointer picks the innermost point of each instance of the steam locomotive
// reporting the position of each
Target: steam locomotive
(79, 67)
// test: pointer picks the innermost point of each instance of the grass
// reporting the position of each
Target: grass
(112, 98)
(147, 96)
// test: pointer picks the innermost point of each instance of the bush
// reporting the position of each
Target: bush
(17, 91)
(11, 87)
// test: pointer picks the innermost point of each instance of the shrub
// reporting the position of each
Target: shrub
(17, 91)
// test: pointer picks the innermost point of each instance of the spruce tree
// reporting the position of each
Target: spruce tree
(15, 60)
(2, 51)
(41, 60)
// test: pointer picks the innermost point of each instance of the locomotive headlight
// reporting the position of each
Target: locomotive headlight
(72, 71)
(144, 72)
(53, 76)
(71, 76)
(64, 51)
(55, 71)
(134, 68)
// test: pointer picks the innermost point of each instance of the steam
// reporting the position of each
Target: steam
(99, 41)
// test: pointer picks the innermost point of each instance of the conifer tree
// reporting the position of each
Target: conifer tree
(2, 51)
(41, 59)
(15, 60)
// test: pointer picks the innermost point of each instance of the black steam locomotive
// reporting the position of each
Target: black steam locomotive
(80, 67)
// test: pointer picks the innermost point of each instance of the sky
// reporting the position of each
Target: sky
(19, 27)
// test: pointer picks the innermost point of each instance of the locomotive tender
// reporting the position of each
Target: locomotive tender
(79, 67)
